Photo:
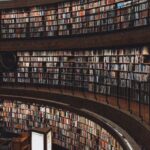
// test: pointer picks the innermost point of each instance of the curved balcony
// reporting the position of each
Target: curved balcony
(65, 120)
(84, 104)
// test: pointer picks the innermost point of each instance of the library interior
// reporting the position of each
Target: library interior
(75, 75)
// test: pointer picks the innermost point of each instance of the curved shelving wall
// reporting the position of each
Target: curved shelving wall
(121, 74)
(70, 130)
(73, 18)
(78, 73)
(99, 49)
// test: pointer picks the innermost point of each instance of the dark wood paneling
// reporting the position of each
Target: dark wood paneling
(25, 3)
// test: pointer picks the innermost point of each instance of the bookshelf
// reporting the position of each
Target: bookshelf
(74, 18)
(69, 130)
(14, 23)
(37, 22)
(51, 22)
(64, 18)
(111, 72)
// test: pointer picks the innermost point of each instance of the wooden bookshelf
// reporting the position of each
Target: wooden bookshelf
(69, 129)
(51, 17)
(73, 18)
(64, 18)
(37, 26)
(14, 23)
(121, 72)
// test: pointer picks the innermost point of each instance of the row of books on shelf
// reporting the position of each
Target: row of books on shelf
(85, 58)
(110, 3)
(51, 30)
(90, 53)
(17, 31)
(82, 73)
(93, 8)
(61, 23)
(23, 35)
(37, 29)
(15, 21)
(23, 25)
(110, 17)
(68, 129)
(127, 68)
(51, 24)
(51, 18)
(111, 69)
(93, 29)
(72, 77)
(17, 14)
(81, 10)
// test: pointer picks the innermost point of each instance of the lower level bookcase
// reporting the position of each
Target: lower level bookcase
(70, 130)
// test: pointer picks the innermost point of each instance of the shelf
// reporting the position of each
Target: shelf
(66, 126)
(69, 18)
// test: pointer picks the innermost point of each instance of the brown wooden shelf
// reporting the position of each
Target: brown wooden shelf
(25, 3)
(134, 37)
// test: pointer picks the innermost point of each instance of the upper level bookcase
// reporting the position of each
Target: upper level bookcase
(74, 18)
(14, 23)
